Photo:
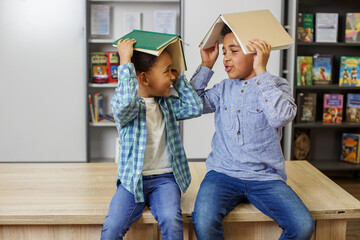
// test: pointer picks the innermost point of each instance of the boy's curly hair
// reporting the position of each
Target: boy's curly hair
(225, 30)
(143, 61)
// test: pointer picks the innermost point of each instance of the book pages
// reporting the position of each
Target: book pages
(259, 24)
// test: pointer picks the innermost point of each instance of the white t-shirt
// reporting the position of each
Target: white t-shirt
(156, 157)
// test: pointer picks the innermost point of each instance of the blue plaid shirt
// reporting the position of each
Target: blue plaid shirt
(249, 116)
(130, 116)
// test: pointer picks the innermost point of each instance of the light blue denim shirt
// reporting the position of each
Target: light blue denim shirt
(249, 116)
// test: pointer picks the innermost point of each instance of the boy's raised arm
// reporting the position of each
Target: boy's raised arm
(124, 103)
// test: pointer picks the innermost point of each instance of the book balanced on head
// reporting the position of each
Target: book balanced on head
(155, 43)
(260, 24)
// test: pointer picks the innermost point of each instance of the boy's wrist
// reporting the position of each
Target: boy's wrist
(208, 65)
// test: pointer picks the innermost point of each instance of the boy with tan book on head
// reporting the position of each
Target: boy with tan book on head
(246, 162)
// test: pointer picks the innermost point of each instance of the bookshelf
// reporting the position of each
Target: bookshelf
(102, 135)
(325, 138)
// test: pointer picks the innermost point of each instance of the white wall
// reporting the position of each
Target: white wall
(43, 87)
(199, 15)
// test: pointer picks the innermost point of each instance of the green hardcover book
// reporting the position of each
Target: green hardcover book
(155, 43)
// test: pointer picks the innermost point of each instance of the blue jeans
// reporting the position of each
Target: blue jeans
(219, 194)
(162, 195)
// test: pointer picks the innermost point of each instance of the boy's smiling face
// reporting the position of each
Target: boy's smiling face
(160, 77)
(237, 64)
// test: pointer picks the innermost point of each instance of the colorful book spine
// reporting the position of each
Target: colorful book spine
(350, 148)
(98, 107)
(91, 107)
(352, 29)
(304, 71)
(353, 107)
(322, 69)
(306, 107)
(333, 108)
(349, 71)
(113, 62)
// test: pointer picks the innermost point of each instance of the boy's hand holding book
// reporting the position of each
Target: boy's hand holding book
(209, 55)
(125, 49)
(261, 56)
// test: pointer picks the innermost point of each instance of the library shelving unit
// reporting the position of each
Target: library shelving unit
(102, 135)
(325, 138)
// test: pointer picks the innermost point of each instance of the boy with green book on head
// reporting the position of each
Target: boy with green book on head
(246, 162)
(152, 166)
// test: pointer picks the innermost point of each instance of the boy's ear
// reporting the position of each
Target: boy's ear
(142, 79)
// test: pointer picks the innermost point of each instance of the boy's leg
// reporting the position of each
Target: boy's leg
(218, 195)
(277, 200)
(164, 203)
(123, 211)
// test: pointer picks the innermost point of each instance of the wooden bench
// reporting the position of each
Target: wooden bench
(70, 201)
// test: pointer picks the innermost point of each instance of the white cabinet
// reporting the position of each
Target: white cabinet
(43, 90)
(102, 135)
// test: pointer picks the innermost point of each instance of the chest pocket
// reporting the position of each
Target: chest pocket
(255, 118)
(228, 117)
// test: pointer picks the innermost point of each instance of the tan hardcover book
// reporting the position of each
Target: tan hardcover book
(260, 24)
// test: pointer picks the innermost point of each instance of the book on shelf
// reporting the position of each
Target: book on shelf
(304, 71)
(98, 67)
(306, 103)
(333, 108)
(155, 43)
(353, 107)
(165, 21)
(350, 149)
(326, 29)
(98, 107)
(91, 108)
(349, 71)
(113, 62)
(132, 20)
(301, 144)
(352, 29)
(260, 24)
(322, 69)
(99, 19)
(110, 117)
(305, 27)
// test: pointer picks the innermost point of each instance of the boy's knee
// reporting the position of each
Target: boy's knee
(112, 230)
(301, 230)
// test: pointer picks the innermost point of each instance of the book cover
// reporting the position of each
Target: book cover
(165, 21)
(98, 63)
(155, 43)
(301, 144)
(322, 69)
(304, 71)
(333, 108)
(326, 27)
(113, 62)
(353, 107)
(306, 103)
(352, 29)
(349, 71)
(132, 20)
(99, 19)
(305, 28)
(98, 107)
(259, 24)
(350, 148)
